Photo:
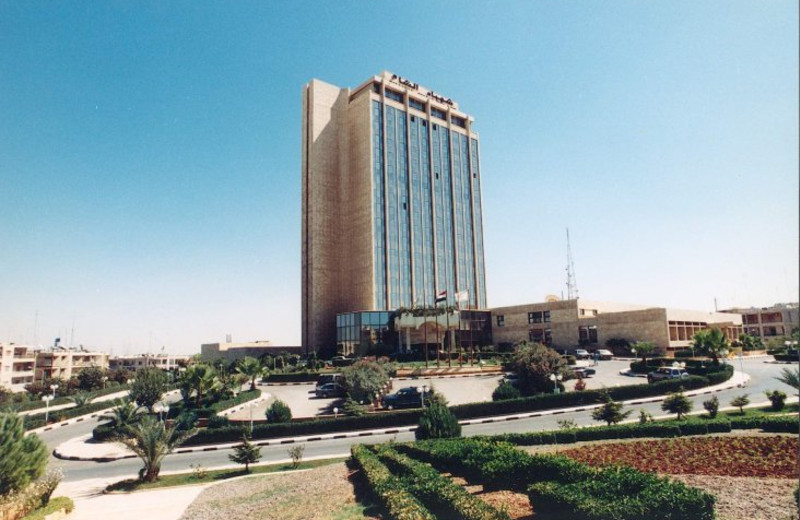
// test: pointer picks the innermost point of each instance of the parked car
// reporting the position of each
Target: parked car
(324, 379)
(604, 354)
(583, 372)
(664, 373)
(581, 353)
(409, 397)
(511, 378)
(330, 390)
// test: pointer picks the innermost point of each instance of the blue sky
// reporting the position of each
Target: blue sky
(150, 154)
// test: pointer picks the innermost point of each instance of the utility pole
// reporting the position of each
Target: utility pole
(572, 285)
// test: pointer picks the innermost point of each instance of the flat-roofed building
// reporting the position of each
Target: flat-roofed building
(162, 361)
(67, 362)
(571, 323)
(391, 203)
(233, 351)
(770, 323)
(17, 366)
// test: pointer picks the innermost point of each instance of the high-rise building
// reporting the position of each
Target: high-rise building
(391, 203)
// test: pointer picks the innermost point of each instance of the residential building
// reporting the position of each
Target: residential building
(67, 362)
(17, 364)
(770, 323)
(230, 351)
(570, 323)
(391, 203)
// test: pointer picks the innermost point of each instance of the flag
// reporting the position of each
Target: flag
(442, 296)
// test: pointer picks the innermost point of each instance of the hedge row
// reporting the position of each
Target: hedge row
(38, 403)
(298, 377)
(768, 423)
(37, 420)
(440, 494)
(400, 504)
(463, 411)
(787, 357)
(243, 397)
(562, 487)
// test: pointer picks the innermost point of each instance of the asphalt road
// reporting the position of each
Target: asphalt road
(761, 370)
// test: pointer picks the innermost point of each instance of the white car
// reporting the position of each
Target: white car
(604, 354)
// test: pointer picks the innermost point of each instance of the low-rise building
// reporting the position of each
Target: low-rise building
(769, 323)
(233, 351)
(17, 366)
(569, 323)
(162, 361)
(67, 362)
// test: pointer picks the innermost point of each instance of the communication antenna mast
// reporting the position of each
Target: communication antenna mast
(572, 285)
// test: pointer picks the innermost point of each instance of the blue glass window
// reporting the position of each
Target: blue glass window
(413, 103)
(397, 96)
(440, 114)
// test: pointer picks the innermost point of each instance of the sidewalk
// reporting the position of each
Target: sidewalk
(81, 448)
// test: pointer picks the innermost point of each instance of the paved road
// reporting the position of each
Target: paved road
(761, 371)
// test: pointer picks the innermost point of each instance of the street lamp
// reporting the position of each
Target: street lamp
(555, 378)
(422, 397)
(46, 399)
(161, 407)
(54, 388)
(335, 412)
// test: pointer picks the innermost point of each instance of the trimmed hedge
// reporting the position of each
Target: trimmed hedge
(37, 420)
(400, 504)
(767, 423)
(243, 397)
(443, 497)
(38, 403)
(463, 411)
(298, 377)
(787, 357)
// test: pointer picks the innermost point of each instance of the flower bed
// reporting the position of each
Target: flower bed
(773, 457)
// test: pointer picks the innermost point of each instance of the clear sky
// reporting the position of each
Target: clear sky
(150, 153)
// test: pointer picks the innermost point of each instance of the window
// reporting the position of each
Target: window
(413, 103)
(539, 317)
(458, 121)
(501, 320)
(397, 96)
(439, 114)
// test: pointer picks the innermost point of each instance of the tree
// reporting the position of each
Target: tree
(749, 342)
(199, 378)
(610, 412)
(711, 342)
(534, 363)
(91, 378)
(252, 368)
(505, 391)
(22, 458)
(777, 398)
(149, 387)
(712, 406)
(364, 379)
(790, 377)
(245, 453)
(643, 349)
(740, 402)
(122, 415)
(437, 422)
(151, 440)
(80, 399)
(677, 403)
(279, 412)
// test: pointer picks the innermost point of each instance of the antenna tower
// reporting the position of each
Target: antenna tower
(572, 285)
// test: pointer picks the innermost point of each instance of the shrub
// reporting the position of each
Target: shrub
(505, 391)
(740, 401)
(611, 412)
(437, 422)
(712, 406)
(777, 398)
(279, 412)
(677, 403)
(400, 504)
(214, 421)
(296, 454)
(245, 453)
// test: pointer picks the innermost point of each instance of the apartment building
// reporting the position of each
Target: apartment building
(17, 366)
(67, 362)
(162, 361)
(770, 323)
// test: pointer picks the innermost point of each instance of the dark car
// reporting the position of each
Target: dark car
(410, 397)
(665, 373)
(583, 372)
(330, 390)
(324, 379)
(511, 378)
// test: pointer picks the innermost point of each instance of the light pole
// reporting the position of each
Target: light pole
(335, 412)
(422, 397)
(555, 378)
(46, 399)
(54, 388)
(161, 407)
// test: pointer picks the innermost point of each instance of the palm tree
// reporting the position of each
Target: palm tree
(122, 415)
(152, 440)
(790, 377)
(711, 341)
(252, 368)
(201, 378)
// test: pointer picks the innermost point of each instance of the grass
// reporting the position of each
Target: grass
(203, 476)
(55, 504)
(759, 412)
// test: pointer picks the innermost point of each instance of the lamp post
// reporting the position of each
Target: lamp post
(422, 397)
(54, 388)
(46, 399)
(335, 412)
(555, 378)
(161, 407)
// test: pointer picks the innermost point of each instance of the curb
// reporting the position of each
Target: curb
(402, 429)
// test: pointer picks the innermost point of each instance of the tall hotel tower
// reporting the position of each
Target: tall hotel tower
(391, 203)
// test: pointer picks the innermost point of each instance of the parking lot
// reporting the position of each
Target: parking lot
(457, 390)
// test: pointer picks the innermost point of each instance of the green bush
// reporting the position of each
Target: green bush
(22, 458)
(437, 422)
(777, 398)
(772, 424)
(243, 397)
(439, 493)
(37, 420)
(400, 504)
(279, 412)
(505, 391)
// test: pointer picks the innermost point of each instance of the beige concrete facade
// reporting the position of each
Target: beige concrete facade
(770, 323)
(234, 351)
(568, 323)
(338, 216)
(162, 361)
(65, 363)
(17, 363)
